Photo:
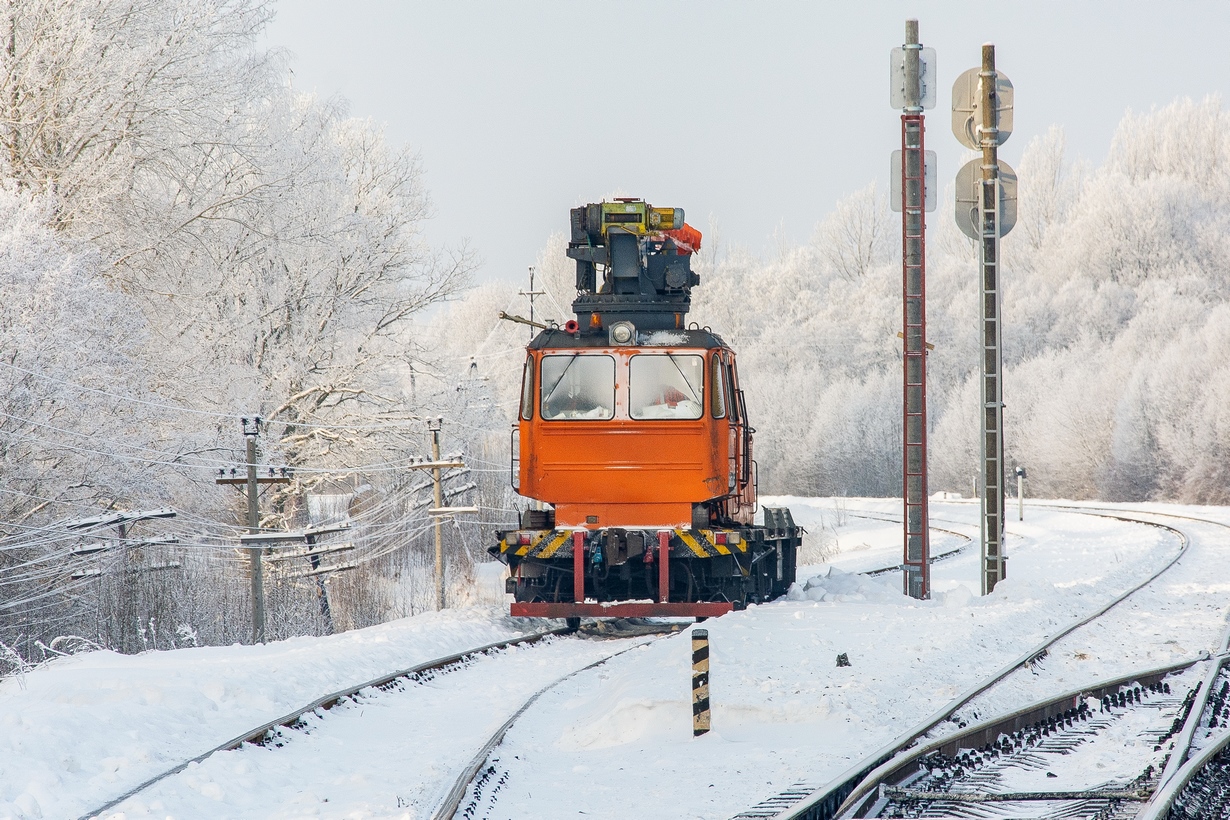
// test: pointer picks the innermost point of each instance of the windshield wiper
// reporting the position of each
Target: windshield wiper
(695, 397)
(551, 393)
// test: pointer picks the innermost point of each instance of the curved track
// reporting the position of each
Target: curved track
(469, 784)
(934, 558)
(1196, 779)
(986, 763)
(479, 778)
(842, 795)
(262, 733)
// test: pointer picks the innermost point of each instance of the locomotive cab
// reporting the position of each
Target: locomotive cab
(649, 434)
(633, 432)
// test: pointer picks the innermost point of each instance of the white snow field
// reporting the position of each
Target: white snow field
(616, 741)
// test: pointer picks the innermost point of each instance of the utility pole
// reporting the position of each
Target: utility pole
(531, 293)
(439, 511)
(254, 527)
(986, 211)
(912, 89)
(251, 429)
(312, 550)
(433, 426)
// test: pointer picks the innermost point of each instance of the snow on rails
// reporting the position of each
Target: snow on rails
(1166, 730)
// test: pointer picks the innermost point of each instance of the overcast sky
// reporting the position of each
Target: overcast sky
(754, 116)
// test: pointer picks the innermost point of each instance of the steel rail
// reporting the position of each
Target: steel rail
(888, 518)
(978, 735)
(1179, 769)
(851, 786)
(867, 785)
(1188, 733)
(447, 808)
(1163, 800)
(1186, 736)
(326, 702)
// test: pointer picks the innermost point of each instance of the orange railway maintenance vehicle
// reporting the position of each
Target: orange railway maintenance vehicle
(633, 438)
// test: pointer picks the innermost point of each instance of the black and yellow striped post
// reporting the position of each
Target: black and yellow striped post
(700, 682)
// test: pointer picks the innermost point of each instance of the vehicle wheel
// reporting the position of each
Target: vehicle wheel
(573, 624)
(523, 592)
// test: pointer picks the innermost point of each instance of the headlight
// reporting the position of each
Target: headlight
(623, 333)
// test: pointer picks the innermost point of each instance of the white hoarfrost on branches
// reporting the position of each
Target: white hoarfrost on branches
(187, 241)
(1116, 298)
(59, 323)
(192, 241)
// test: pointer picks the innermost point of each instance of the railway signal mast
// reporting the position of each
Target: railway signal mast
(912, 71)
(982, 101)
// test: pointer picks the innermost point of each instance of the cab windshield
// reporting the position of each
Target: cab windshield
(666, 386)
(578, 387)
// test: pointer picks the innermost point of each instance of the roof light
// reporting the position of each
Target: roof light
(623, 333)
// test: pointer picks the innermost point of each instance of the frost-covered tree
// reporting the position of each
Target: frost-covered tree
(96, 94)
(273, 244)
(64, 450)
(1115, 291)
(267, 246)
(857, 235)
(60, 326)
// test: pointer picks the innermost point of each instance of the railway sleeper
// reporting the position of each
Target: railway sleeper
(967, 770)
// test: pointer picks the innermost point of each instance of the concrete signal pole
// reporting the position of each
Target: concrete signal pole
(982, 119)
(993, 357)
(911, 76)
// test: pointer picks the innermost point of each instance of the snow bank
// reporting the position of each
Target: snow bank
(87, 728)
(834, 585)
(81, 730)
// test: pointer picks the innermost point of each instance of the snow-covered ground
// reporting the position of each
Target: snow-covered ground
(616, 741)
(82, 730)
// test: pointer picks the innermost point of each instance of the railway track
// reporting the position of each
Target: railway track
(1198, 784)
(999, 767)
(935, 559)
(1095, 752)
(479, 783)
(475, 790)
(277, 732)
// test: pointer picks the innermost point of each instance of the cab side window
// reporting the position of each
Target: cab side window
(731, 387)
(527, 390)
(717, 390)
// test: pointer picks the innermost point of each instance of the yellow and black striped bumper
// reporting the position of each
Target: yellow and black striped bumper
(546, 544)
(704, 543)
(542, 543)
